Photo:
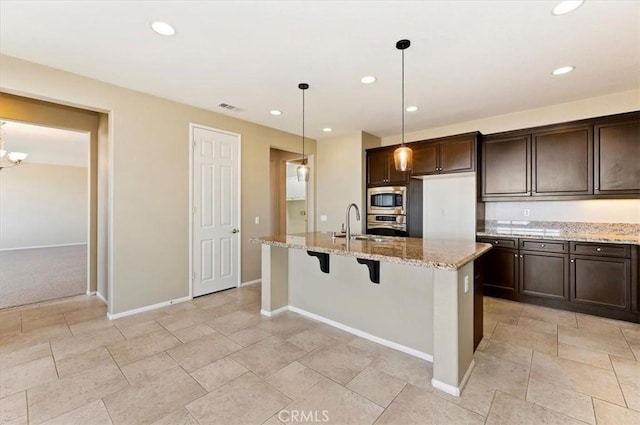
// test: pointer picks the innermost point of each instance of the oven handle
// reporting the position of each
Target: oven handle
(378, 225)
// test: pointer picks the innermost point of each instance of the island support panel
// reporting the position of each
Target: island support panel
(452, 329)
(275, 280)
(398, 309)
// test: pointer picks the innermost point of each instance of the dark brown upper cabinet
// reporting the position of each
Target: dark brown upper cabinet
(455, 154)
(505, 164)
(562, 162)
(381, 169)
(586, 159)
(617, 157)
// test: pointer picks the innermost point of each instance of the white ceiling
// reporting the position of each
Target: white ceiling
(46, 145)
(468, 59)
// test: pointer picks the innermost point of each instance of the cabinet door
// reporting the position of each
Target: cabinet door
(601, 281)
(505, 166)
(378, 167)
(617, 158)
(425, 158)
(395, 177)
(458, 156)
(544, 274)
(562, 162)
(501, 268)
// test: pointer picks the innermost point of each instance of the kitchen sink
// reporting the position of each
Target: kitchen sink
(370, 238)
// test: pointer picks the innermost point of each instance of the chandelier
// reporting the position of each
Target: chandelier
(9, 159)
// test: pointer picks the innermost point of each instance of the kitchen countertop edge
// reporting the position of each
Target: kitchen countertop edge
(451, 264)
(572, 237)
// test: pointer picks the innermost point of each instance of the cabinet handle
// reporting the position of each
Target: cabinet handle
(496, 242)
(541, 245)
(521, 256)
(573, 261)
(515, 255)
(598, 249)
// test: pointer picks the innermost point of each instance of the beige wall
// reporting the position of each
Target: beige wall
(43, 205)
(149, 142)
(614, 211)
(342, 180)
(296, 222)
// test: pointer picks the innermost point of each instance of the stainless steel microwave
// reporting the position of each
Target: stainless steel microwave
(387, 200)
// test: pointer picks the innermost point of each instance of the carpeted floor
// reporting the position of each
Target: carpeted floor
(40, 274)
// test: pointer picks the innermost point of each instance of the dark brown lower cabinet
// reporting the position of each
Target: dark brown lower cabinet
(544, 274)
(591, 278)
(501, 269)
(601, 281)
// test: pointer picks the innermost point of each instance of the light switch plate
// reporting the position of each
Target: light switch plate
(323, 218)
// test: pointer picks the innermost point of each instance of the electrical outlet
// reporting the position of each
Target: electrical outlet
(527, 212)
(466, 284)
(257, 220)
(323, 218)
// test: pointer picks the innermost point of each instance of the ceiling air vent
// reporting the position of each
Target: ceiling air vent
(230, 107)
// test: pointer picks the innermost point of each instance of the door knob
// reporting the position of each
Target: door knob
(235, 231)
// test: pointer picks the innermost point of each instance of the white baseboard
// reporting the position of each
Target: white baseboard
(250, 282)
(43, 246)
(147, 308)
(450, 389)
(411, 351)
(274, 312)
(101, 298)
(91, 293)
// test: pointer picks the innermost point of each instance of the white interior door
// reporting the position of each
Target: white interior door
(216, 210)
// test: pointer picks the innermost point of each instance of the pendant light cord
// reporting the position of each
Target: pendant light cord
(403, 97)
(303, 161)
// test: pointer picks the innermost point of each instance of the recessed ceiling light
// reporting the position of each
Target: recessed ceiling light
(163, 28)
(276, 112)
(563, 70)
(368, 79)
(567, 6)
(412, 108)
(327, 130)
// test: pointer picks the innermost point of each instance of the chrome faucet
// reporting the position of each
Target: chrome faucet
(348, 236)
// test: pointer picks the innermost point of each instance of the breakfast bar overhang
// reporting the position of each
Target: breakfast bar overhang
(411, 294)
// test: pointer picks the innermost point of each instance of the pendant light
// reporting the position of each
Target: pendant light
(303, 169)
(403, 156)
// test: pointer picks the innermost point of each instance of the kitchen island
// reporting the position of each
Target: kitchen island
(411, 294)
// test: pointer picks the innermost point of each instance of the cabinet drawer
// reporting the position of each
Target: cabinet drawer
(500, 242)
(610, 250)
(544, 245)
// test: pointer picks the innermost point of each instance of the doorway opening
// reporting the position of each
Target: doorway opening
(295, 200)
(291, 203)
(44, 214)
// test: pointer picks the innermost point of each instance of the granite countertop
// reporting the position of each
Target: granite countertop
(440, 254)
(621, 233)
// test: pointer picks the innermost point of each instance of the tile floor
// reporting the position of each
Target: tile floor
(215, 360)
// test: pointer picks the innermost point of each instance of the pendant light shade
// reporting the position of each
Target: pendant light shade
(303, 169)
(403, 156)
